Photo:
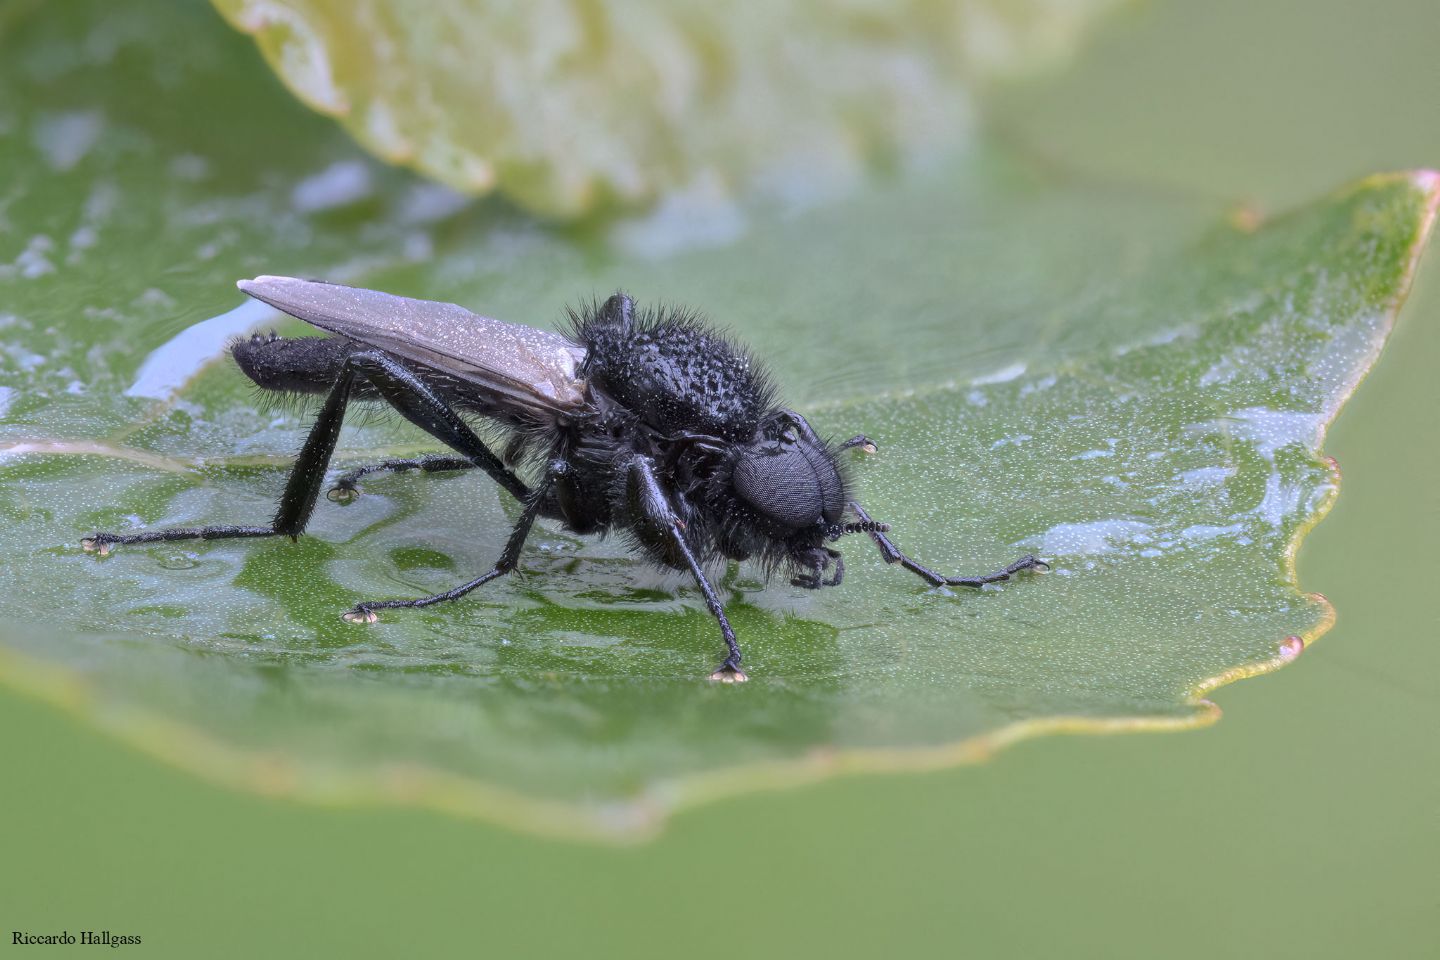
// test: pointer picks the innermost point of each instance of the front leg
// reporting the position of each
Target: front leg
(647, 500)
(817, 561)
(892, 554)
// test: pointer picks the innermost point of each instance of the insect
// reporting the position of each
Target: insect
(649, 423)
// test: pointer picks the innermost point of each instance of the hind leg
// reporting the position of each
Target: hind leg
(393, 382)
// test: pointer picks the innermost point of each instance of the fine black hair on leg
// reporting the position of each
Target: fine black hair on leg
(892, 554)
(345, 489)
(649, 497)
(395, 383)
(509, 557)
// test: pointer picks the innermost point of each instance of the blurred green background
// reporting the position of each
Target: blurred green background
(1307, 823)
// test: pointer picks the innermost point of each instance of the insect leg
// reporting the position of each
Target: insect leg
(296, 503)
(819, 560)
(509, 558)
(807, 432)
(415, 399)
(802, 426)
(863, 442)
(419, 403)
(892, 554)
(345, 488)
(648, 498)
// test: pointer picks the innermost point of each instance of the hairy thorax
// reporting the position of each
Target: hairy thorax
(677, 376)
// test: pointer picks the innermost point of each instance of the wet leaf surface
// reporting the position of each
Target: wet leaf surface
(1118, 381)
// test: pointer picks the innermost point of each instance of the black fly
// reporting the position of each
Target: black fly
(647, 423)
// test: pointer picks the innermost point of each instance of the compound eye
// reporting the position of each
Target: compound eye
(780, 484)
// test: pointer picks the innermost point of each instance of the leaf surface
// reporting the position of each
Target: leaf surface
(1120, 382)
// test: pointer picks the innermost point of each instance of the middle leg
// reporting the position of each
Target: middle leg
(345, 489)
(509, 557)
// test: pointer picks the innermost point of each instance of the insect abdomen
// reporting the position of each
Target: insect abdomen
(291, 364)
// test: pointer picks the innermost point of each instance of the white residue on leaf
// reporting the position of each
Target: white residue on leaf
(430, 203)
(1039, 386)
(1206, 476)
(65, 138)
(1096, 537)
(104, 197)
(23, 357)
(1281, 501)
(1184, 331)
(1272, 429)
(1003, 375)
(1205, 531)
(701, 216)
(153, 298)
(418, 246)
(1011, 441)
(84, 238)
(1269, 430)
(1093, 454)
(338, 185)
(33, 261)
(171, 365)
(189, 166)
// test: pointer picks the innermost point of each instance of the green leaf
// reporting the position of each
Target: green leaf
(1104, 376)
(564, 106)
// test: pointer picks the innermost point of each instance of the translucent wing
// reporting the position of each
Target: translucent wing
(530, 367)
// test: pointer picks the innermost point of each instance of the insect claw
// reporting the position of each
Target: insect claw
(96, 545)
(360, 615)
(729, 674)
(865, 444)
(342, 493)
